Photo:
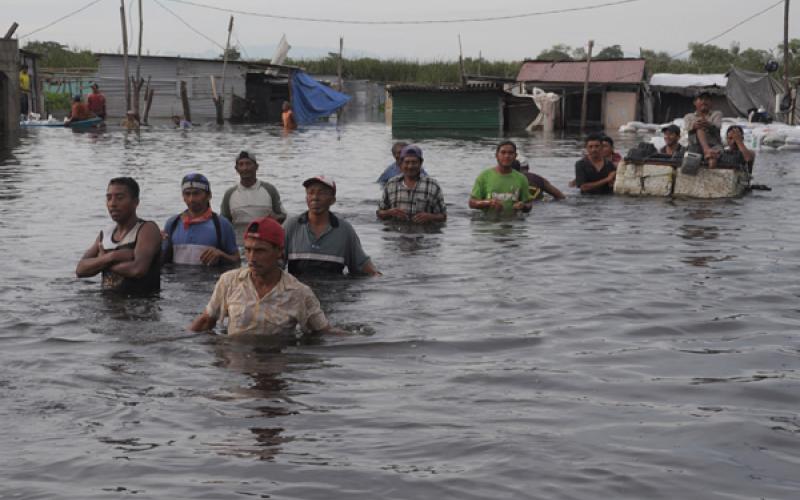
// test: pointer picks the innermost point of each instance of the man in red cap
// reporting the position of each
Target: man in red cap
(262, 298)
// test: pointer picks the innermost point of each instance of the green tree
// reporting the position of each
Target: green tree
(57, 55)
(558, 52)
(610, 52)
(707, 58)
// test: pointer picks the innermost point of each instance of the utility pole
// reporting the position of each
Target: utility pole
(137, 86)
(220, 101)
(786, 83)
(586, 86)
(125, 55)
(461, 63)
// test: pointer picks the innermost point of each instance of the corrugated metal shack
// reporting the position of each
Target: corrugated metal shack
(672, 94)
(251, 92)
(615, 89)
(446, 107)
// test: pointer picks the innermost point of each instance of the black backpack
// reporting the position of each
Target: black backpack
(641, 152)
(174, 226)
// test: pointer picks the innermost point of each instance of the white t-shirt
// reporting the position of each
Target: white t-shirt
(248, 204)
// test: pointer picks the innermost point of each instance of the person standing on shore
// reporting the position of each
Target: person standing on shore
(127, 252)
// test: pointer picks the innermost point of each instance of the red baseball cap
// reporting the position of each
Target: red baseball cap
(266, 229)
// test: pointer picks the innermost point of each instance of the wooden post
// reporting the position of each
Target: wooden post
(219, 102)
(125, 55)
(149, 93)
(480, 58)
(461, 63)
(340, 84)
(11, 31)
(137, 86)
(787, 88)
(339, 66)
(187, 114)
(586, 86)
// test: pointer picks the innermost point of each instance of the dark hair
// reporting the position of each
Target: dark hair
(735, 127)
(128, 182)
(608, 140)
(399, 145)
(595, 137)
(505, 143)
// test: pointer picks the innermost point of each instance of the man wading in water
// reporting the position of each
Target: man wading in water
(127, 252)
(595, 173)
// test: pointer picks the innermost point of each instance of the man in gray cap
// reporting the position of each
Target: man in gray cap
(673, 148)
(251, 198)
(411, 197)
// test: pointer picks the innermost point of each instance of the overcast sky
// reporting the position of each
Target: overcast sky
(660, 25)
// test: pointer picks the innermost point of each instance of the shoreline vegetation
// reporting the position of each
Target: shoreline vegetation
(700, 58)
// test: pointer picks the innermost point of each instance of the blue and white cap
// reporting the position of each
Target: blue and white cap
(195, 181)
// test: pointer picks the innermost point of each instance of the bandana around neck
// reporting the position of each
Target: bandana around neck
(188, 220)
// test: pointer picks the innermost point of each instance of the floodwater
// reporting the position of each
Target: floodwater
(600, 347)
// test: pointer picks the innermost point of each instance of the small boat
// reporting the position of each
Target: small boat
(88, 123)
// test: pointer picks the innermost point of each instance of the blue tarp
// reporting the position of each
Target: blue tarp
(312, 100)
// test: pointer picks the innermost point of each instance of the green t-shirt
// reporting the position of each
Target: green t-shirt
(508, 188)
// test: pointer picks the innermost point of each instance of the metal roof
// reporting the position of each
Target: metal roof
(601, 71)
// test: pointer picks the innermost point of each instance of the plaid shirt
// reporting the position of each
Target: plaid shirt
(425, 197)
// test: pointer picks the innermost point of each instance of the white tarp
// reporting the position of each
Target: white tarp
(688, 80)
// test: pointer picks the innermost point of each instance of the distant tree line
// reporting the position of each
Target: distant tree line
(58, 55)
(702, 58)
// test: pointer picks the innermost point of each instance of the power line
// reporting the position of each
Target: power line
(779, 2)
(66, 16)
(179, 18)
(728, 30)
(395, 22)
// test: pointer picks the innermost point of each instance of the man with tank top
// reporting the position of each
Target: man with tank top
(127, 252)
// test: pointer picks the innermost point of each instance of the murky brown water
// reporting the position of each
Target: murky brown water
(599, 348)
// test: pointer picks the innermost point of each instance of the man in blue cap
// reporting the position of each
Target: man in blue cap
(411, 197)
(198, 236)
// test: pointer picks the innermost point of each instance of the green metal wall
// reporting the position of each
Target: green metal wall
(447, 110)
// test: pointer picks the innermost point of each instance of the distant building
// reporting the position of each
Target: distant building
(614, 96)
(672, 94)
(475, 107)
(254, 92)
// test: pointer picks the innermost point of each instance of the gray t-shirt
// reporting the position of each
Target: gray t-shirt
(338, 247)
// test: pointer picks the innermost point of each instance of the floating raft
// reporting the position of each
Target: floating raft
(664, 180)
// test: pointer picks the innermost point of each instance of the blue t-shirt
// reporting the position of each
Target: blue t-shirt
(189, 244)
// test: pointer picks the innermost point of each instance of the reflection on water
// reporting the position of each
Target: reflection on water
(629, 348)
